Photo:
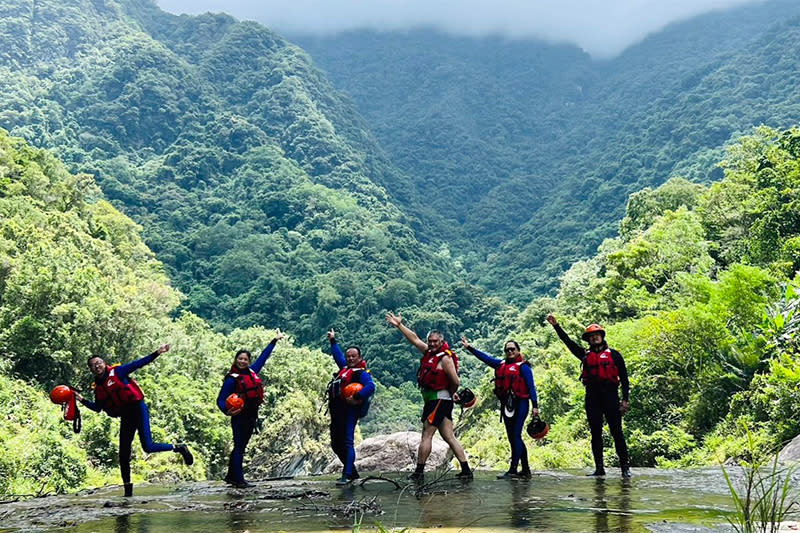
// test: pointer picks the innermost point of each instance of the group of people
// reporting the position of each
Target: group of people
(351, 390)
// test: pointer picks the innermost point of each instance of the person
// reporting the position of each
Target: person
(603, 373)
(515, 388)
(346, 410)
(119, 395)
(242, 379)
(437, 378)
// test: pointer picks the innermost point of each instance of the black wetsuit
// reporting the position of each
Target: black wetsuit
(602, 399)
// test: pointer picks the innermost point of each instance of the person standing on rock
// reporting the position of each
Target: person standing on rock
(119, 395)
(437, 378)
(603, 373)
(347, 404)
(243, 380)
(515, 388)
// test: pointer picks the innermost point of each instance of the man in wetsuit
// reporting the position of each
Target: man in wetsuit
(346, 410)
(603, 373)
(438, 380)
(119, 395)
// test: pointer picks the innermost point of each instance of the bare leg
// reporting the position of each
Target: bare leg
(447, 433)
(425, 443)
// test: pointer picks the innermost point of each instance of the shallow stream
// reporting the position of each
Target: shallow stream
(653, 500)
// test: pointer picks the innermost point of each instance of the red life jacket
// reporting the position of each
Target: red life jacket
(248, 385)
(113, 394)
(508, 378)
(429, 375)
(343, 378)
(599, 367)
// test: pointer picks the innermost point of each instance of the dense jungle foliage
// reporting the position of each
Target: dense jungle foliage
(215, 185)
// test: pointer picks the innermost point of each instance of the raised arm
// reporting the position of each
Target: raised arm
(576, 349)
(262, 359)
(336, 350)
(397, 321)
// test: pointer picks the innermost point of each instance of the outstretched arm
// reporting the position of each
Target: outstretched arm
(397, 321)
(96, 407)
(123, 370)
(484, 357)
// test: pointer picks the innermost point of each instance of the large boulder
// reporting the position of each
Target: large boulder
(394, 453)
(791, 452)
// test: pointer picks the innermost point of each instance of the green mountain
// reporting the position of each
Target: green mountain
(541, 146)
(256, 183)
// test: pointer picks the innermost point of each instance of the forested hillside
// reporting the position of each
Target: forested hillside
(540, 145)
(256, 183)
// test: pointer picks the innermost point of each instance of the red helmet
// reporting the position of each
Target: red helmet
(593, 328)
(61, 394)
(350, 390)
(538, 428)
(234, 401)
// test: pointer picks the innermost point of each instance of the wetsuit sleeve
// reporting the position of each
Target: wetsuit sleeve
(622, 370)
(369, 386)
(94, 406)
(338, 355)
(228, 388)
(576, 349)
(262, 359)
(485, 358)
(527, 374)
(122, 371)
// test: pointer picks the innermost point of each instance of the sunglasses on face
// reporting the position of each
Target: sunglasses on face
(509, 350)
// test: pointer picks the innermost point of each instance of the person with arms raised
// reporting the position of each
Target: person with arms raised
(603, 374)
(241, 394)
(438, 380)
(515, 388)
(349, 394)
(119, 395)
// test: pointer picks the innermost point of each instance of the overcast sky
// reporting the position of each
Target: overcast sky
(601, 27)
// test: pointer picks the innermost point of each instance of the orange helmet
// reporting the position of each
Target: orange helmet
(234, 401)
(61, 394)
(350, 390)
(593, 328)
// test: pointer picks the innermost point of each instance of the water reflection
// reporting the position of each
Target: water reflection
(520, 509)
(612, 509)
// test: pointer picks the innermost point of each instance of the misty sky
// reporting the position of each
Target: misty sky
(601, 27)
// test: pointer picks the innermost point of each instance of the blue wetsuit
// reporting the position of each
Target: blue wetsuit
(514, 424)
(243, 424)
(133, 417)
(344, 416)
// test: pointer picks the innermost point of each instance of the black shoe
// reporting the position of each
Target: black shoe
(507, 475)
(626, 472)
(342, 481)
(353, 476)
(465, 475)
(242, 484)
(128, 489)
(188, 458)
(597, 473)
(416, 476)
(525, 474)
